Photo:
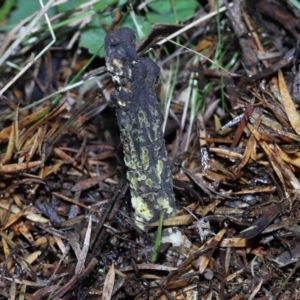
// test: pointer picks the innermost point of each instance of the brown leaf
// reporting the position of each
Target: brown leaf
(212, 245)
(5, 133)
(14, 168)
(289, 104)
(243, 122)
(6, 252)
(109, 284)
(176, 221)
(53, 114)
(87, 183)
(10, 147)
(235, 242)
(12, 219)
(278, 165)
(22, 229)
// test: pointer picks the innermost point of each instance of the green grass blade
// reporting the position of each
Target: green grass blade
(158, 237)
(295, 3)
(55, 288)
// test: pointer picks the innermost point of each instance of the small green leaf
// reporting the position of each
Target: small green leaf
(157, 242)
(171, 11)
(92, 37)
(156, 18)
(161, 7)
(103, 4)
(26, 8)
(295, 3)
(141, 26)
(122, 2)
(69, 5)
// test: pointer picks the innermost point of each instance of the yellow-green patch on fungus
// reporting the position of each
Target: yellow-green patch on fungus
(145, 158)
(165, 204)
(159, 168)
(129, 162)
(141, 177)
(142, 116)
(149, 182)
(133, 182)
(141, 208)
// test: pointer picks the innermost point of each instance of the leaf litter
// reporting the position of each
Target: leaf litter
(66, 221)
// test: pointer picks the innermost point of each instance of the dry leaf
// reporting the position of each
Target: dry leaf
(289, 104)
(109, 284)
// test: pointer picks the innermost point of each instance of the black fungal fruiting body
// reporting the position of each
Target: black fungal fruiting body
(140, 122)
